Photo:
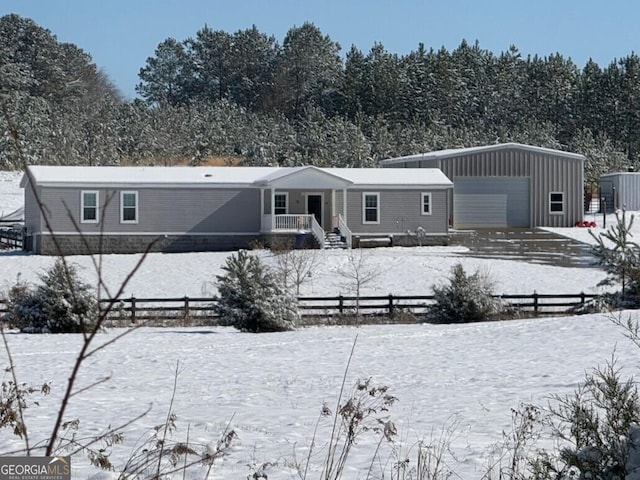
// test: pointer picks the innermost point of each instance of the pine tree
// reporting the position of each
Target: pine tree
(250, 298)
(63, 303)
(467, 298)
(619, 256)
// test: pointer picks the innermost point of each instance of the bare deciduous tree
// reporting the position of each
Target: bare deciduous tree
(295, 266)
(358, 272)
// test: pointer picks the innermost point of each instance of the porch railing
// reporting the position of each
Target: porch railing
(293, 222)
(345, 231)
(317, 231)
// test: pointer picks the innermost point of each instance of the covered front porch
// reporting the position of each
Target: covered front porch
(295, 224)
(305, 201)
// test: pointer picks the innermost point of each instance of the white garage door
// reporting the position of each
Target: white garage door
(485, 202)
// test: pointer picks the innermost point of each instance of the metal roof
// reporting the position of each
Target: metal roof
(457, 152)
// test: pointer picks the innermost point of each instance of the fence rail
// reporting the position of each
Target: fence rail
(10, 237)
(124, 311)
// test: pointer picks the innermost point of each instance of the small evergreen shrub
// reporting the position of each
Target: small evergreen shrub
(597, 428)
(251, 299)
(61, 304)
(467, 298)
(619, 257)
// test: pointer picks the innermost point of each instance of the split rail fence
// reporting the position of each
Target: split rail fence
(10, 238)
(190, 311)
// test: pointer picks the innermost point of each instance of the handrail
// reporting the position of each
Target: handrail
(345, 231)
(317, 231)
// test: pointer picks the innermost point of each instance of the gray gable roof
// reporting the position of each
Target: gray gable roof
(457, 152)
(231, 176)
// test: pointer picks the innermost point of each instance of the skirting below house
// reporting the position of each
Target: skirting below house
(399, 240)
(67, 244)
(107, 244)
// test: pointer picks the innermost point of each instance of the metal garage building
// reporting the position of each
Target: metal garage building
(508, 185)
(620, 190)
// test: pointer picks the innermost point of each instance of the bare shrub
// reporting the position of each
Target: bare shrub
(160, 456)
(358, 272)
(294, 266)
(515, 457)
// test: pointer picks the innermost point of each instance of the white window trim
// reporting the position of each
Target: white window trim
(364, 207)
(82, 206)
(424, 195)
(551, 212)
(286, 202)
(122, 194)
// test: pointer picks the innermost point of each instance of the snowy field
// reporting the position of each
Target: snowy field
(270, 388)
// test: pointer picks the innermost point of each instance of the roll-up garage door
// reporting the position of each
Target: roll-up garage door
(487, 202)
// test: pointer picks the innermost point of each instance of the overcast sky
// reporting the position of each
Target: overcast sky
(121, 34)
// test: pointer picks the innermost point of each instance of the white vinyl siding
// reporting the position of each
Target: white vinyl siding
(89, 206)
(425, 204)
(281, 203)
(128, 207)
(556, 203)
(370, 208)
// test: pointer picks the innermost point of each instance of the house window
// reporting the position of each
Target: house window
(556, 202)
(89, 207)
(426, 204)
(370, 207)
(280, 203)
(128, 207)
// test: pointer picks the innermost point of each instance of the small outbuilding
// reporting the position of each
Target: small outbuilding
(508, 185)
(79, 210)
(620, 190)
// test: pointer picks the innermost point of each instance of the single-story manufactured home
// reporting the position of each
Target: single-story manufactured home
(80, 210)
(620, 190)
(508, 185)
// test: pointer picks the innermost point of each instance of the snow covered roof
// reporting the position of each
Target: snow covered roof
(227, 176)
(15, 216)
(457, 152)
(72, 175)
(615, 174)
(395, 176)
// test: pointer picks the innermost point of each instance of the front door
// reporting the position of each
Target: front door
(314, 207)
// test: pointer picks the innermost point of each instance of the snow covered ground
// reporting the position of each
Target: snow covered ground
(270, 388)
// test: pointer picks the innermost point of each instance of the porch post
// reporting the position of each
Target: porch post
(261, 208)
(273, 208)
(333, 203)
(273, 200)
(344, 204)
(261, 201)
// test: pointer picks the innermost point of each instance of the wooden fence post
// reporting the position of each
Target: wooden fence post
(133, 309)
(186, 307)
(535, 302)
(391, 305)
(582, 299)
(340, 304)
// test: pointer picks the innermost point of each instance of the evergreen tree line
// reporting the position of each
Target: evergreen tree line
(244, 96)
